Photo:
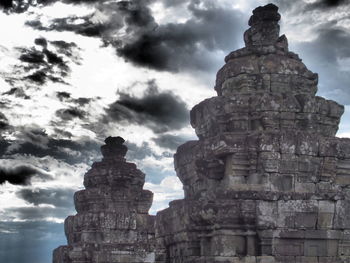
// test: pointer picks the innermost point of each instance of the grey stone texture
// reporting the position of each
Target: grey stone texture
(267, 181)
(112, 223)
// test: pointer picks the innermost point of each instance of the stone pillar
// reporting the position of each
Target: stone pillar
(267, 181)
(112, 223)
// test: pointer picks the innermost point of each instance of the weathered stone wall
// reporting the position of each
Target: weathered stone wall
(112, 223)
(267, 181)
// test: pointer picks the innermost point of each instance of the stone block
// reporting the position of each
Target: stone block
(270, 166)
(321, 248)
(281, 182)
(325, 219)
(307, 144)
(306, 259)
(329, 147)
(341, 217)
(303, 187)
(326, 187)
(288, 142)
(343, 172)
(288, 164)
(269, 161)
(328, 169)
(288, 247)
(309, 165)
(227, 246)
(300, 214)
(269, 142)
(265, 259)
(331, 260)
(270, 120)
(335, 109)
(267, 213)
(343, 150)
(315, 248)
(305, 220)
(239, 103)
(344, 248)
(343, 180)
(289, 233)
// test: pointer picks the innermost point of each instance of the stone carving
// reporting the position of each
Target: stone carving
(267, 181)
(112, 223)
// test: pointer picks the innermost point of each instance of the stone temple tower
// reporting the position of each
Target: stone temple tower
(112, 223)
(267, 181)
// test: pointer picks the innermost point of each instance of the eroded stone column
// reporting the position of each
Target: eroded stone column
(112, 223)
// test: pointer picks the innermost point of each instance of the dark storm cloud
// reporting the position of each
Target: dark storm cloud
(134, 14)
(326, 4)
(35, 141)
(170, 47)
(21, 175)
(3, 146)
(67, 97)
(4, 123)
(70, 114)
(160, 111)
(34, 135)
(327, 55)
(20, 6)
(62, 95)
(17, 92)
(41, 63)
(6, 4)
(79, 25)
(289, 9)
(170, 141)
(32, 56)
(138, 152)
(83, 101)
(333, 43)
(58, 197)
(186, 45)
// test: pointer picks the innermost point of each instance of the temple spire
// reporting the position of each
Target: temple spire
(264, 28)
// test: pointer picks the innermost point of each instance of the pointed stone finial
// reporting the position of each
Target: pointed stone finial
(264, 28)
(114, 148)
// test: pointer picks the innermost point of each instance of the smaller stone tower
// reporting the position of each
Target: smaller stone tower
(112, 223)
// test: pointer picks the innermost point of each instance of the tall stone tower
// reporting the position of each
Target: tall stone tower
(112, 223)
(267, 181)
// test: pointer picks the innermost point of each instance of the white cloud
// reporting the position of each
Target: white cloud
(169, 189)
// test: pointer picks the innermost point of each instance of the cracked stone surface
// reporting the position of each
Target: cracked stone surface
(112, 223)
(267, 181)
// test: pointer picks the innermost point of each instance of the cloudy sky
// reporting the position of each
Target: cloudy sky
(73, 72)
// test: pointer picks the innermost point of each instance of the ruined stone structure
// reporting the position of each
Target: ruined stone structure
(112, 223)
(267, 181)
